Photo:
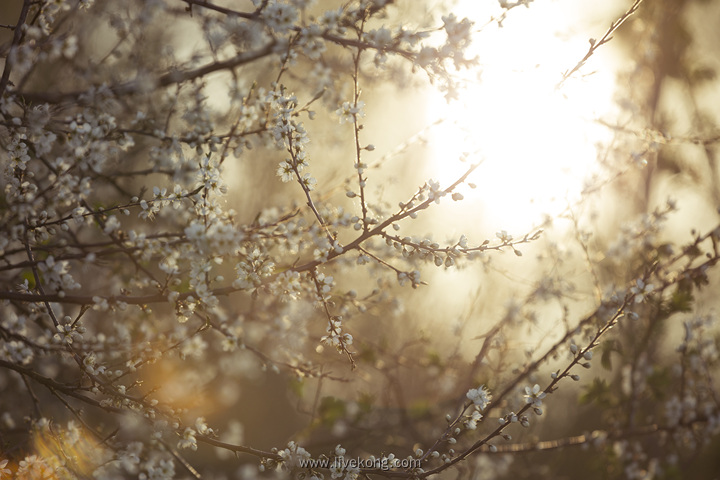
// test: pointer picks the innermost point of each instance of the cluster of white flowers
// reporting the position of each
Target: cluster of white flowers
(641, 290)
(18, 352)
(252, 270)
(335, 336)
(57, 275)
(350, 112)
(68, 332)
(158, 469)
(459, 36)
(188, 439)
(534, 396)
(294, 456)
(480, 396)
(280, 17)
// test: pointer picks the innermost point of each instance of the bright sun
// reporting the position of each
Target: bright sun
(537, 142)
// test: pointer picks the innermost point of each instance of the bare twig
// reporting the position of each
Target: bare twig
(595, 44)
(17, 37)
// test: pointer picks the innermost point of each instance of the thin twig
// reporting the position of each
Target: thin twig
(17, 37)
(595, 44)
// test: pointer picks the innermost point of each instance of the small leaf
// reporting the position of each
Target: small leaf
(296, 387)
(605, 360)
(597, 392)
(366, 402)
(331, 409)
(28, 275)
(607, 349)
(681, 301)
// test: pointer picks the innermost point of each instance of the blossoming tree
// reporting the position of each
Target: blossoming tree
(200, 277)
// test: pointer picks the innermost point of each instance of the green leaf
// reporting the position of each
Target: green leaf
(296, 386)
(367, 355)
(681, 300)
(693, 251)
(331, 409)
(28, 275)
(607, 349)
(365, 402)
(703, 74)
(659, 381)
(419, 408)
(597, 392)
(434, 359)
(605, 360)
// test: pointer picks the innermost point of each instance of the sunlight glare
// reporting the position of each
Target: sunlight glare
(537, 142)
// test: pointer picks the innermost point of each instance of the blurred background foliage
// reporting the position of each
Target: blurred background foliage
(486, 322)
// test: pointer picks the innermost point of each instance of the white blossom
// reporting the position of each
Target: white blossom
(480, 396)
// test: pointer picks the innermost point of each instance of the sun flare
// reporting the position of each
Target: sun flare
(537, 142)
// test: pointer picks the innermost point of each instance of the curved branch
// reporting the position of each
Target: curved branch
(17, 37)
